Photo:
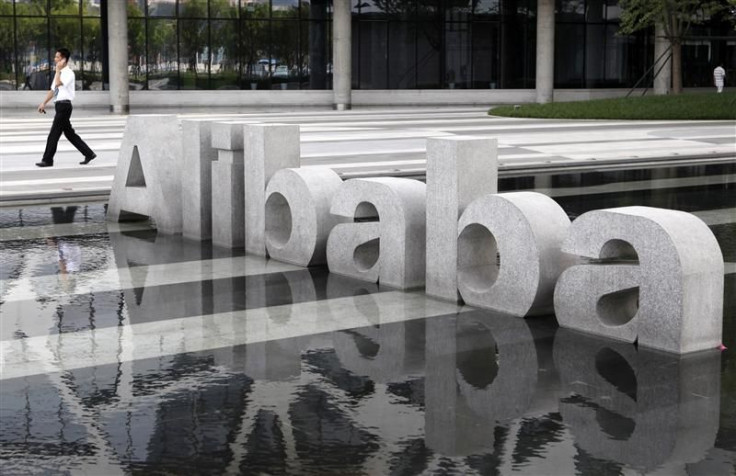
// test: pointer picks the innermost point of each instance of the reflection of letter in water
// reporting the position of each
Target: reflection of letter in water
(638, 407)
(196, 183)
(481, 368)
(662, 281)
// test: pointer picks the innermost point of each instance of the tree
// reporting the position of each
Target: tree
(676, 18)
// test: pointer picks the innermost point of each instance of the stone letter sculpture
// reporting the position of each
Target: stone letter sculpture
(671, 299)
(196, 179)
(297, 214)
(148, 175)
(526, 230)
(268, 148)
(459, 170)
(400, 252)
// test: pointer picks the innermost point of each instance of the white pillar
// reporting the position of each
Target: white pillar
(661, 44)
(117, 33)
(341, 48)
(545, 50)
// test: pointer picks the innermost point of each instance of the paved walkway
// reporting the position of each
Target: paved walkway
(366, 141)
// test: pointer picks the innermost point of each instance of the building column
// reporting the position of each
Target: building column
(663, 80)
(545, 50)
(117, 40)
(341, 50)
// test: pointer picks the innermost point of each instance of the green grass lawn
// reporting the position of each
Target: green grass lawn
(674, 107)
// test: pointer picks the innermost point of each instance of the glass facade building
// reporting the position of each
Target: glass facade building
(287, 44)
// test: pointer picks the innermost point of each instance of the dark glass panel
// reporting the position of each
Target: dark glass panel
(92, 50)
(257, 61)
(31, 7)
(91, 8)
(373, 55)
(225, 55)
(162, 56)
(381, 9)
(485, 56)
(355, 53)
(193, 9)
(457, 55)
(429, 10)
(486, 9)
(316, 49)
(33, 50)
(162, 8)
(595, 55)
(137, 53)
(569, 57)
(285, 52)
(255, 9)
(617, 57)
(9, 80)
(613, 10)
(194, 64)
(429, 45)
(570, 10)
(285, 8)
(224, 9)
(595, 11)
(318, 9)
(65, 7)
(458, 10)
(402, 55)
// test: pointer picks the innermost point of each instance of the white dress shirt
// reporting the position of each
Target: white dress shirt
(66, 90)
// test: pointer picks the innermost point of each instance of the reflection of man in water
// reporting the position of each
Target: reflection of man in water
(69, 254)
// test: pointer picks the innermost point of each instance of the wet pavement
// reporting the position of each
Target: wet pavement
(128, 352)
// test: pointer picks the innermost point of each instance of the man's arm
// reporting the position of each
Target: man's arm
(49, 95)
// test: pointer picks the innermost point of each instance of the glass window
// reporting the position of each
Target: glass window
(569, 55)
(224, 9)
(193, 54)
(92, 54)
(375, 9)
(316, 46)
(458, 10)
(595, 11)
(193, 9)
(257, 64)
(595, 56)
(225, 66)
(429, 45)
(162, 8)
(373, 55)
(613, 10)
(285, 8)
(8, 77)
(66, 33)
(285, 52)
(137, 9)
(457, 55)
(320, 9)
(618, 57)
(162, 55)
(137, 64)
(402, 55)
(33, 51)
(91, 8)
(570, 10)
(487, 8)
(30, 7)
(485, 56)
(65, 7)
(255, 9)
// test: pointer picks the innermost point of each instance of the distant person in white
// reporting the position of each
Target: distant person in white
(719, 76)
(62, 92)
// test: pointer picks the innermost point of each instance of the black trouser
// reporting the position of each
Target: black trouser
(62, 124)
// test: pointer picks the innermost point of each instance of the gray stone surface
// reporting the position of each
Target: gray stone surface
(268, 148)
(148, 175)
(196, 179)
(298, 218)
(670, 405)
(524, 230)
(670, 299)
(228, 188)
(400, 206)
(459, 170)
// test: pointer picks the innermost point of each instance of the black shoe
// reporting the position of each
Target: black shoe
(87, 160)
(44, 164)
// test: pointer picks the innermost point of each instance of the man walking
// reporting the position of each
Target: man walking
(719, 75)
(62, 92)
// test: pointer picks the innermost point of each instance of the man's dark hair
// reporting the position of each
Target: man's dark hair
(64, 53)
